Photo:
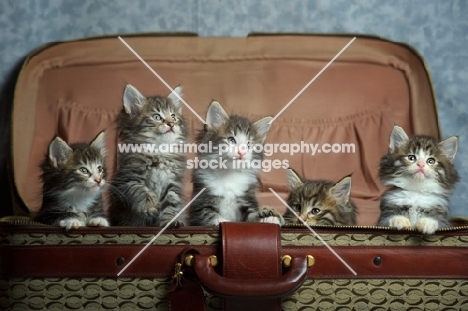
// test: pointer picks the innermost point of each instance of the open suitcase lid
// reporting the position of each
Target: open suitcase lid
(74, 90)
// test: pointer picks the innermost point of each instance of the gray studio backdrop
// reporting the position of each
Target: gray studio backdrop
(437, 29)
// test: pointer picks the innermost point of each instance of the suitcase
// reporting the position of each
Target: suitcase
(74, 89)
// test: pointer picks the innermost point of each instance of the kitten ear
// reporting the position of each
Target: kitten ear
(294, 179)
(98, 143)
(176, 96)
(263, 125)
(450, 147)
(216, 116)
(342, 190)
(397, 137)
(59, 152)
(132, 100)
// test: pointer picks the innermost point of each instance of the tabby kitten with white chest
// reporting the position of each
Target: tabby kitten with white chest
(231, 182)
(422, 177)
(73, 178)
(147, 187)
(320, 202)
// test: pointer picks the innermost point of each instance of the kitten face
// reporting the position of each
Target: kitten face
(234, 137)
(419, 163)
(153, 119)
(79, 166)
(320, 202)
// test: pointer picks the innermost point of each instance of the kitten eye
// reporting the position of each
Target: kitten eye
(157, 117)
(411, 158)
(231, 140)
(315, 211)
(173, 117)
(431, 161)
(84, 170)
(249, 144)
(100, 169)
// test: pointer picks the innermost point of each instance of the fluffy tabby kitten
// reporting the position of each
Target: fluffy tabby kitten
(320, 202)
(232, 180)
(147, 188)
(422, 177)
(73, 177)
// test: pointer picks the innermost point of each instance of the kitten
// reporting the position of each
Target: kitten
(147, 188)
(231, 181)
(73, 177)
(422, 177)
(320, 202)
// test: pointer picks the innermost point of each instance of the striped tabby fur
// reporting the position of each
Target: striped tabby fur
(229, 191)
(73, 178)
(320, 202)
(147, 187)
(421, 176)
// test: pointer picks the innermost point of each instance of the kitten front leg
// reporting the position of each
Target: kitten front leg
(427, 225)
(149, 204)
(399, 222)
(142, 199)
(73, 221)
(171, 205)
(70, 223)
(393, 215)
(96, 217)
(98, 222)
(270, 215)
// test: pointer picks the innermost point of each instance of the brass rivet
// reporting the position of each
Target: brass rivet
(310, 261)
(188, 260)
(286, 260)
(213, 260)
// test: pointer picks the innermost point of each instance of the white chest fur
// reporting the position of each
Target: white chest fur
(229, 185)
(417, 199)
(79, 199)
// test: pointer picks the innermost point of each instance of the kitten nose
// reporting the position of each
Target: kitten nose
(98, 180)
(171, 124)
(421, 164)
(240, 153)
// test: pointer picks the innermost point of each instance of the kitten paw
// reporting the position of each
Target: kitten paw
(175, 224)
(98, 222)
(71, 223)
(400, 222)
(270, 215)
(427, 225)
(271, 220)
(150, 206)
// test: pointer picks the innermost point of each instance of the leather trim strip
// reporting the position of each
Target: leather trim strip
(101, 260)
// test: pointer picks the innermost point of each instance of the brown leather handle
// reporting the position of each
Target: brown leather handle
(266, 288)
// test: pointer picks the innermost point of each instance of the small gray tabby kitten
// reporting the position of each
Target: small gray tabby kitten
(422, 177)
(229, 191)
(320, 202)
(73, 177)
(147, 187)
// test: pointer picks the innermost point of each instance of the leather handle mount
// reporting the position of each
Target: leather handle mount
(251, 288)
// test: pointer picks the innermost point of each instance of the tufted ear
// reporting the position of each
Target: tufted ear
(294, 179)
(133, 101)
(262, 127)
(341, 191)
(98, 143)
(216, 116)
(450, 147)
(59, 152)
(397, 137)
(175, 96)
